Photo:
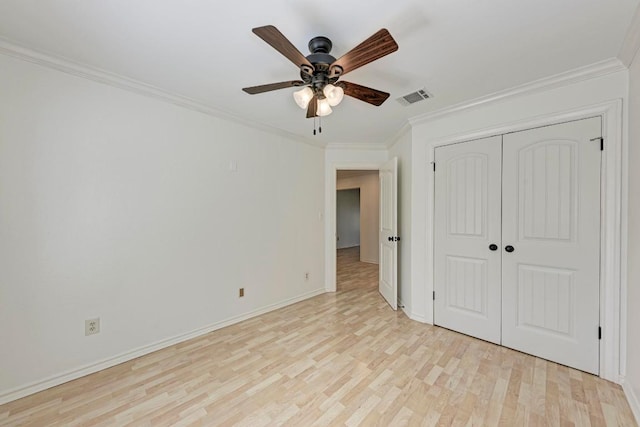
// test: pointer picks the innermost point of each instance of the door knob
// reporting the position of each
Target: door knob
(509, 248)
(391, 239)
(493, 247)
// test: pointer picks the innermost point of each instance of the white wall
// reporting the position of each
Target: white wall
(401, 149)
(633, 255)
(123, 207)
(348, 218)
(348, 159)
(369, 185)
(560, 99)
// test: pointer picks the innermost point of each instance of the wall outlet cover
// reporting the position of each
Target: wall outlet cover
(92, 326)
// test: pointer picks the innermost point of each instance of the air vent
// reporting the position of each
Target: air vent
(413, 97)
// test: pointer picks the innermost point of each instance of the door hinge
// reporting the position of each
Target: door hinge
(434, 295)
(599, 332)
(434, 166)
(601, 139)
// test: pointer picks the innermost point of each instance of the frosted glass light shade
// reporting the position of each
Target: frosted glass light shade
(334, 94)
(324, 109)
(303, 96)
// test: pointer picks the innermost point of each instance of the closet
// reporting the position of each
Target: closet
(517, 241)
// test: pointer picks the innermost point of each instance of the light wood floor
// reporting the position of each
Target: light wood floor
(353, 274)
(336, 359)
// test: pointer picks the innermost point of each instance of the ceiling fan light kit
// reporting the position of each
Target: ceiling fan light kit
(324, 109)
(333, 94)
(320, 72)
(303, 97)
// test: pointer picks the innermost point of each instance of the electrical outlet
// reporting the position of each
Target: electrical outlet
(92, 326)
(241, 293)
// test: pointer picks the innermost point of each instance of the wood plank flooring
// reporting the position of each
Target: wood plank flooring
(336, 359)
(352, 274)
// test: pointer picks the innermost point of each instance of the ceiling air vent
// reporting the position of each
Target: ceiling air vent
(413, 97)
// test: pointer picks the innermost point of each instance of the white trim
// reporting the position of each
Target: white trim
(121, 82)
(406, 310)
(330, 216)
(419, 318)
(369, 146)
(91, 368)
(601, 68)
(612, 285)
(410, 314)
(633, 400)
(631, 44)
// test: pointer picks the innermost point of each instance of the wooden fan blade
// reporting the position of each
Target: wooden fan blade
(363, 93)
(279, 42)
(272, 86)
(312, 109)
(375, 47)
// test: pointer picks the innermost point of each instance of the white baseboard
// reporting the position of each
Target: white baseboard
(370, 261)
(52, 381)
(404, 308)
(411, 315)
(632, 399)
(419, 318)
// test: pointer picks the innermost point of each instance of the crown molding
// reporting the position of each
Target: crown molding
(10, 48)
(368, 146)
(566, 78)
(356, 146)
(631, 44)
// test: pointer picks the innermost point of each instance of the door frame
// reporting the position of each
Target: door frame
(613, 226)
(330, 216)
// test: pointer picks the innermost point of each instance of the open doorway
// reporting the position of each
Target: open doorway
(357, 229)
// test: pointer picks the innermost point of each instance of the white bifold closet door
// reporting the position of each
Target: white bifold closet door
(535, 195)
(551, 217)
(467, 218)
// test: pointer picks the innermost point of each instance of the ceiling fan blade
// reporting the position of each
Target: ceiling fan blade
(375, 47)
(272, 86)
(312, 109)
(363, 93)
(279, 42)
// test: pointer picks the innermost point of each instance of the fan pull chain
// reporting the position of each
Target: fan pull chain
(314, 125)
(320, 126)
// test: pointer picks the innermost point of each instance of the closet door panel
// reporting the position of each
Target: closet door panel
(551, 219)
(467, 222)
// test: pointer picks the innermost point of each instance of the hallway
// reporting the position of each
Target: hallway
(354, 274)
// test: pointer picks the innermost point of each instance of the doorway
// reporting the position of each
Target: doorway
(357, 230)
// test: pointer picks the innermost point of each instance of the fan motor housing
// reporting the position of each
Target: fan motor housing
(320, 44)
(321, 59)
(320, 47)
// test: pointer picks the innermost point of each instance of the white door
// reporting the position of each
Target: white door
(467, 235)
(388, 265)
(551, 243)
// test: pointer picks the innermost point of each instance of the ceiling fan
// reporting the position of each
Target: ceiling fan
(320, 72)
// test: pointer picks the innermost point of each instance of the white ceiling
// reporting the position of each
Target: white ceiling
(205, 50)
